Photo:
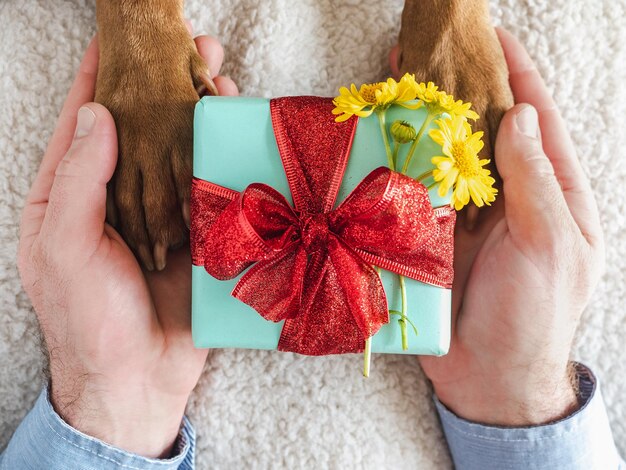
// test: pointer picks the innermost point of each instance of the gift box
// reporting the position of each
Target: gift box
(241, 142)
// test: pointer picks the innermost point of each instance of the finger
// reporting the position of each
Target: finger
(82, 92)
(226, 86)
(212, 52)
(536, 210)
(528, 87)
(77, 203)
(393, 61)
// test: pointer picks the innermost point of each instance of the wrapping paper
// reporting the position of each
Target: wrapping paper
(234, 147)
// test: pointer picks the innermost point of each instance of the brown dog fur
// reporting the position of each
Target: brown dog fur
(148, 78)
(150, 74)
(452, 43)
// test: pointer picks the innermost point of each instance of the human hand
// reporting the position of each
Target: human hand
(525, 274)
(122, 362)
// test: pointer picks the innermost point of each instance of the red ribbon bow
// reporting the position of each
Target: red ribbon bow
(312, 264)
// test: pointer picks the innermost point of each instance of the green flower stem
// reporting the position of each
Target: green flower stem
(403, 317)
(409, 157)
(367, 356)
(432, 185)
(396, 149)
(383, 131)
(392, 157)
(424, 176)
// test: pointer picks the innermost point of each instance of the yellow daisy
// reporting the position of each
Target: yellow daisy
(456, 108)
(460, 167)
(438, 101)
(428, 93)
(375, 97)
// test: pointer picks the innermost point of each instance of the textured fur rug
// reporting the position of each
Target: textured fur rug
(272, 410)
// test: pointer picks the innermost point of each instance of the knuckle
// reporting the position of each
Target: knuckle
(562, 248)
(70, 166)
(42, 258)
(573, 266)
(539, 167)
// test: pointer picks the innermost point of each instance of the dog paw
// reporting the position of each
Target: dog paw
(151, 86)
(465, 60)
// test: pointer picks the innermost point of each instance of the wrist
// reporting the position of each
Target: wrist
(136, 419)
(511, 400)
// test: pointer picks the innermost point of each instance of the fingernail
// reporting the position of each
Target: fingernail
(84, 122)
(160, 256)
(528, 122)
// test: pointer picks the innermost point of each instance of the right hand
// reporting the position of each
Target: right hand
(122, 360)
(526, 273)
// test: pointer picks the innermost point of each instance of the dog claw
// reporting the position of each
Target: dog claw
(471, 217)
(207, 86)
(146, 257)
(160, 256)
(187, 214)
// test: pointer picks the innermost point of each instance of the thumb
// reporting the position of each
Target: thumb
(534, 201)
(77, 203)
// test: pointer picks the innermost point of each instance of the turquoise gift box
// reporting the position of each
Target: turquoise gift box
(234, 146)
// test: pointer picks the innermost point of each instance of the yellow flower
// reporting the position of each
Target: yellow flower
(456, 108)
(460, 167)
(427, 93)
(438, 101)
(375, 97)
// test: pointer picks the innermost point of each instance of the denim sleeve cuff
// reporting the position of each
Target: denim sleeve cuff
(44, 440)
(580, 441)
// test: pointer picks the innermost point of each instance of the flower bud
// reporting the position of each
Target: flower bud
(403, 132)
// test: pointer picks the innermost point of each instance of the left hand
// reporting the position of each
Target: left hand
(525, 275)
(122, 361)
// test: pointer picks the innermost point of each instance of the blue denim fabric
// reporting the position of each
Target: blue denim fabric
(44, 441)
(580, 441)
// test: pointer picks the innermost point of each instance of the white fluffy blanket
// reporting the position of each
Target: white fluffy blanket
(273, 410)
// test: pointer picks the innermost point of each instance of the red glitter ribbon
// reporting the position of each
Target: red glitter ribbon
(312, 264)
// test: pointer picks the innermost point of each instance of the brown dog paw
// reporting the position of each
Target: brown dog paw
(150, 82)
(453, 44)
